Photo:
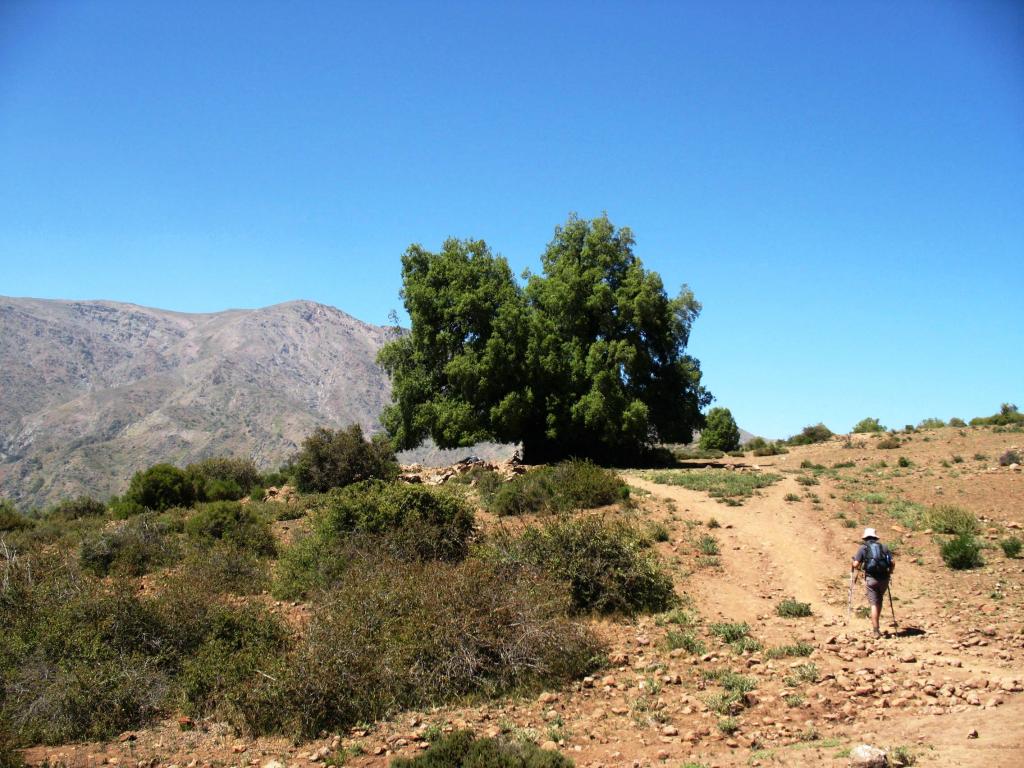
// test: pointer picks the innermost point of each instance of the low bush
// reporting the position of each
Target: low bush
(786, 651)
(1008, 415)
(761, 447)
(407, 521)
(232, 523)
(932, 423)
(707, 545)
(462, 749)
(11, 519)
(605, 563)
(336, 458)
(793, 609)
(79, 507)
(889, 443)
(962, 552)
(129, 548)
(1011, 546)
(723, 484)
(399, 635)
(730, 632)
(947, 518)
(557, 488)
(867, 425)
(688, 641)
(223, 478)
(956, 421)
(225, 568)
(1010, 457)
(791, 497)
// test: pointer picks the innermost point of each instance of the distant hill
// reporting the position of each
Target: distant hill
(91, 391)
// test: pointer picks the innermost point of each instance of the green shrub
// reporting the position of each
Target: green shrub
(160, 487)
(793, 609)
(962, 553)
(730, 632)
(232, 523)
(807, 480)
(408, 521)
(947, 518)
(605, 563)
(688, 641)
(785, 651)
(462, 749)
(397, 635)
(816, 433)
(957, 422)
(561, 487)
(707, 545)
(867, 425)
(336, 458)
(791, 497)
(1011, 547)
(889, 443)
(129, 548)
(79, 507)
(720, 431)
(932, 423)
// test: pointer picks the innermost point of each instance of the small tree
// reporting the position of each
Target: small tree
(721, 432)
(161, 487)
(336, 458)
(868, 425)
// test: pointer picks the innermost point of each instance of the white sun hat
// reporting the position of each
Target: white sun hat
(869, 533)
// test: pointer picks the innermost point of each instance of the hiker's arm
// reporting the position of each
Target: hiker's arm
(854, 566)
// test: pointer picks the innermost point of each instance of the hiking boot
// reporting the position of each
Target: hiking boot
(876, 634)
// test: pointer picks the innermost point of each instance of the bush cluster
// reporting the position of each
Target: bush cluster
(867, 425)
(560, 487)
(948, 518)
(607, 564)
(1008, 415)
(11, 519)
(336, 458)
(409, 522)
(720, 431)
(129, 548)
(762, 447)
(223, 479)
(232, 523)
(815, 433)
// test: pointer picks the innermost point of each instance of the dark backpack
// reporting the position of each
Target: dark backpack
(877, 560)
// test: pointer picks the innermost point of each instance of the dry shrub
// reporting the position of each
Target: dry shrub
(462, 748)
(396, 634)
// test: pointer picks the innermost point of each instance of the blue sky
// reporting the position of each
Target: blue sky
(842, 184)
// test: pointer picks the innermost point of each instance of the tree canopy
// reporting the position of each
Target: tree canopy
(720, 433)
(586, 359)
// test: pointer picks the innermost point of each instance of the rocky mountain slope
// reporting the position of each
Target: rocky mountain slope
(91, 391)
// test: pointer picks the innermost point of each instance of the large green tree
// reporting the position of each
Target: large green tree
(588, 359)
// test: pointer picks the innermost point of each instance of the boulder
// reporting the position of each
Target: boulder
(866, 756)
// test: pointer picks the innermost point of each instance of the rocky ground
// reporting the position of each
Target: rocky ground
(943, 685)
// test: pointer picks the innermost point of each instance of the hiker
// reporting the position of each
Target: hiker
(876, 560)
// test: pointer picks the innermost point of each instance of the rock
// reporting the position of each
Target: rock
(866, 756)
(663, 754)
(972, 734)
(670, 730)
(549, 746)
(547, 697)
(907, 657)
(273, 764)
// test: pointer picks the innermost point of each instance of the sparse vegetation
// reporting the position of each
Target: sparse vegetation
(791, 608)
(723, 484)
(947, 518)
(1008, 415)
(464, 750)
(761, 447)
(785, 651)
(688, 641)
(730, 632)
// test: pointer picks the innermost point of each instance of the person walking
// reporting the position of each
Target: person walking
(876, 560)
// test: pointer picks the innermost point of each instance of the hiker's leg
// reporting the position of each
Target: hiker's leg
(876, 609)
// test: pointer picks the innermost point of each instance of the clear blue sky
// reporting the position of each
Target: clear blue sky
(842, 184)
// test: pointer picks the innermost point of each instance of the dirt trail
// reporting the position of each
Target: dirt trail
(771, 549)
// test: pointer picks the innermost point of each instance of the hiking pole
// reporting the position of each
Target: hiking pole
(849, 602)
(889, 590)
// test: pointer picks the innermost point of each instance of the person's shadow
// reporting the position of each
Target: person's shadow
(909, 632)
